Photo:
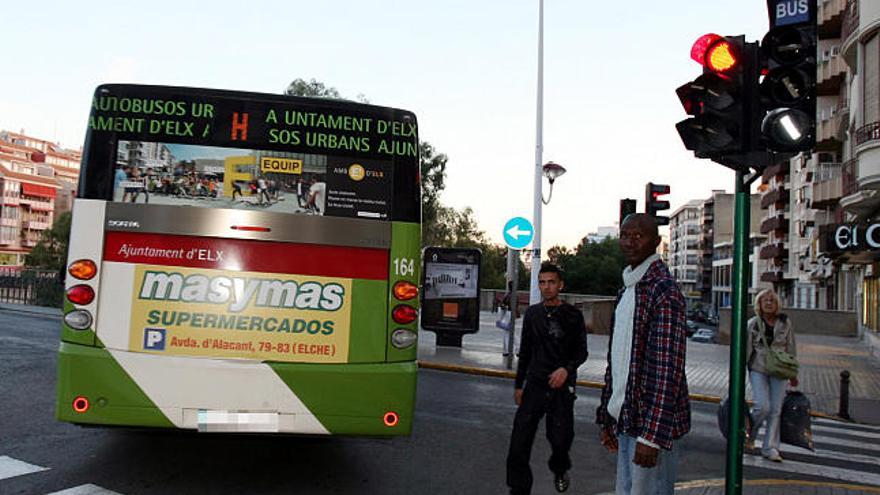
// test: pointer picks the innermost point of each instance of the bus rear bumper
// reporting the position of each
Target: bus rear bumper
(137, 389)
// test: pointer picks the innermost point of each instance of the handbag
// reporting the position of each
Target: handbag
(779, 364)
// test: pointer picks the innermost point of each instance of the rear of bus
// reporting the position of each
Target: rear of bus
(242, 262)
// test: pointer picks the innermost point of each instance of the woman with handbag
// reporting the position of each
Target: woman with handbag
(772, 362)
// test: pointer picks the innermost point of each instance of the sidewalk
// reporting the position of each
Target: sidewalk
(822, 359)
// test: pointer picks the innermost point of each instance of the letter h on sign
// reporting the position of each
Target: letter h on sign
(239, 126)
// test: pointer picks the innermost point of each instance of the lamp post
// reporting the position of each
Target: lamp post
(534, 293)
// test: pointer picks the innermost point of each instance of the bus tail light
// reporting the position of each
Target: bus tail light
(403, 338)
(78, 319)
(80, 404)
(404, 291)
(391, 419)
(81, 294)
(404, 314)
(83, 269)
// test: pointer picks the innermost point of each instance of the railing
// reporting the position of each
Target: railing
(827, 171)
(850, 173)
(869, 132)
(31, 287)
(850, 21)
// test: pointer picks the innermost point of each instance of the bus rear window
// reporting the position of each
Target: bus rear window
(218, 177)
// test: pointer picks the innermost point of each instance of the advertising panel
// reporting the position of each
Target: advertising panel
(239, 314)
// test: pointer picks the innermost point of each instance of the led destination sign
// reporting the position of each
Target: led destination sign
(184, 115)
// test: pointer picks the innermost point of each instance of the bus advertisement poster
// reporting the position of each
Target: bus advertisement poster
(236, 314)
(260, 180)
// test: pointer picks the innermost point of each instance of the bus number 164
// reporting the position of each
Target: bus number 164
(404, 267)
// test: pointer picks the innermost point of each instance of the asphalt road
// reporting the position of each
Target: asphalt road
(458, 446)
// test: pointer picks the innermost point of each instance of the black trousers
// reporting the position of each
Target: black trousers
(558, 405)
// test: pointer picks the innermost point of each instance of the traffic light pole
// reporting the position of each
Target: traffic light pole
(736, 392)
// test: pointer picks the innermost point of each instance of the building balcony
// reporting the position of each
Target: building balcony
(849, 28)
(779, 170)
(828, 136)
(29, 242)
(773, 251)
(773, 276)
(777, 223)
(34, 225)
(867, 133)
(9, 222)
(830, 18)
(831, 75)
(775, 196)
(827, 193)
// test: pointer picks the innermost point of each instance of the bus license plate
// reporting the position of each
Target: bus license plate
(235, 422)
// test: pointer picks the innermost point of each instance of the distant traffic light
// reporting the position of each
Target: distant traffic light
(627, 208)
(653, 203)
(720, 99)
(788, 91)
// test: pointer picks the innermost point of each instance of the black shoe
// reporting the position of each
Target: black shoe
(561, 482)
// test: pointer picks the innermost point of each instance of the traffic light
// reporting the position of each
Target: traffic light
(720, 101)
(788, 91)
(653, 204)
(627, 208)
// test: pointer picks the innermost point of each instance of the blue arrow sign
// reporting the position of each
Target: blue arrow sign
(518, 233)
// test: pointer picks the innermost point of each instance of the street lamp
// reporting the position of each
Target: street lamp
(551, 171)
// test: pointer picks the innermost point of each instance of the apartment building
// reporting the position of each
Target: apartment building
(685, 254)
(847, 241)
(36, 178)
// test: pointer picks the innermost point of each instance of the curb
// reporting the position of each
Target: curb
(47, 312)
(473, 370)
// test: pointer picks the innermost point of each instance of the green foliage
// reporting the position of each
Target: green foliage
(593, 268)
(51, 252)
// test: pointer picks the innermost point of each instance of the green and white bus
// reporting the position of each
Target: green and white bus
(243, 262)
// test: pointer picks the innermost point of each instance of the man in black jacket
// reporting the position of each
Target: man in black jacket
(553, 345)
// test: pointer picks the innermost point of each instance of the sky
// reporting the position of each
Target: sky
(467, 69)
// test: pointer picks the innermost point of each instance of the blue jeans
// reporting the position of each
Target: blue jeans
(768, 393)
(636, 480)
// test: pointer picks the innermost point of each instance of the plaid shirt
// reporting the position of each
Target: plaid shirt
(656, 405)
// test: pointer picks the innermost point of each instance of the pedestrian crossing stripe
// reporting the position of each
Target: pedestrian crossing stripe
(10, 468)
(846, 431)
(831, 454)
(812, 469)
(85, 490)
(844, 425)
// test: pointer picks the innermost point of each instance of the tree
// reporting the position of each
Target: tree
(313, 88)
(593, 268)
(50, 253)
(432, 167)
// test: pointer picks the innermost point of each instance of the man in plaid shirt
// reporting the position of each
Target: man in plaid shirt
(645, 405)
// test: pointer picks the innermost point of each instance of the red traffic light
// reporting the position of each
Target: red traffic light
(714, 52)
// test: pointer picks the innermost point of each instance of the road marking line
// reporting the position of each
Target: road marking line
(846, 431)
(834, 442)
(10, 468)
(844, 424)
(831, 454)
(89, 489)
(790, 466)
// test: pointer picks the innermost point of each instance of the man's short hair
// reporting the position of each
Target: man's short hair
(548, 267)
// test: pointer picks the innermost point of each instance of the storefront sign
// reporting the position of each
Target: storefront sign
(850, 237)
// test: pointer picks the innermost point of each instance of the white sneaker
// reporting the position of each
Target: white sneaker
(773, 456)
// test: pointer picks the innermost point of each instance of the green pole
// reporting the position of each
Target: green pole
(736, 432)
